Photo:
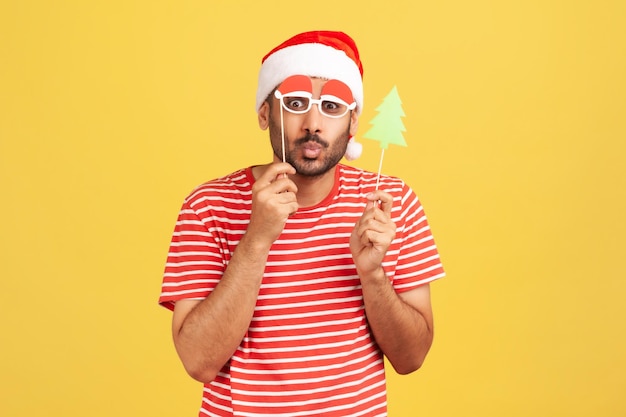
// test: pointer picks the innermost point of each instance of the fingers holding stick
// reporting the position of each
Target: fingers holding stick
(380, 199)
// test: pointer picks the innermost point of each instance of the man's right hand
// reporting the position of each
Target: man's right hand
(273, 201)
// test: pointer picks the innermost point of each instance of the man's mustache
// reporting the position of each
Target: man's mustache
(312, 138)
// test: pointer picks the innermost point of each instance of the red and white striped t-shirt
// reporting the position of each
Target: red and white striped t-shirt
(308, 351)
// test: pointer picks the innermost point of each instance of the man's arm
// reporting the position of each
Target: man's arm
(206, 333)
(402, 324)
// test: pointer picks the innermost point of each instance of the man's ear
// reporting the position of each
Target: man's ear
(354, 123)
(264, 115)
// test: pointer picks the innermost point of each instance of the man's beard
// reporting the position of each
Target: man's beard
(311, 167)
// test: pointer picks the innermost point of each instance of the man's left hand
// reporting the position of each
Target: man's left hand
(373, 233)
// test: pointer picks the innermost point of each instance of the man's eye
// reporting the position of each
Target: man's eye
(332, 108)
(330, 105)
(297, 103)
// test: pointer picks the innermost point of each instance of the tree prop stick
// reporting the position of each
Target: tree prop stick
(387, 126)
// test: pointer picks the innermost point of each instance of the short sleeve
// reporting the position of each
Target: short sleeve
(194, 262)
(418, 259)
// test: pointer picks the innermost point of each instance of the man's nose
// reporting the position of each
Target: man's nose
(314, 119)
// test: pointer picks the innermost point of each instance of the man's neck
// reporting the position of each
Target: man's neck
(313, 190)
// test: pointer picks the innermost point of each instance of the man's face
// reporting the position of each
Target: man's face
(314, 142)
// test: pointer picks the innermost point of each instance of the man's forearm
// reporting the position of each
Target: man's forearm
(403, 333)
(211, 332)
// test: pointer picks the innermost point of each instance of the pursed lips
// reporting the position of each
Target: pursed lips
(312, 149)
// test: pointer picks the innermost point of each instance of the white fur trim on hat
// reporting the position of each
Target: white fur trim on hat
(354, 150)
(314, 60)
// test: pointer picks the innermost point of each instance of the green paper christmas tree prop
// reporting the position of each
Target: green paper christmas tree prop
(387, 126)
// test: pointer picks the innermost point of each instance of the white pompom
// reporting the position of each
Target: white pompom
(354, 150)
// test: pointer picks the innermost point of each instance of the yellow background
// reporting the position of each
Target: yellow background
(111, 111)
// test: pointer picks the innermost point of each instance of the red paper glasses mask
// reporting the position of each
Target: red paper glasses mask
(296, 96)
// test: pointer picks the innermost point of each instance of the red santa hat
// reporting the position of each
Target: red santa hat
(325, 54)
